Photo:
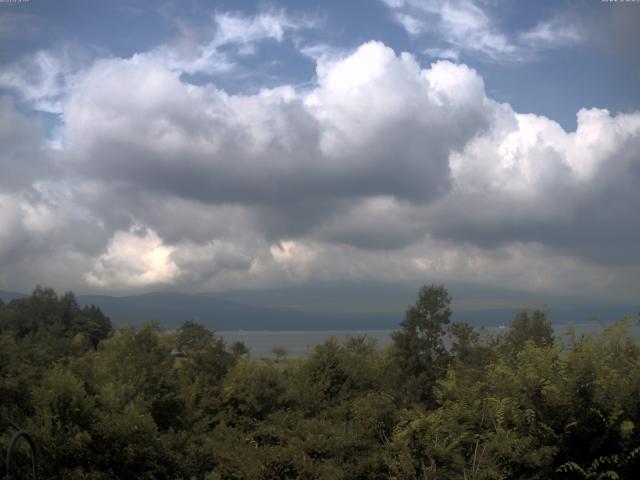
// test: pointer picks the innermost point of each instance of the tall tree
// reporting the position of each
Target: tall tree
(419, 347)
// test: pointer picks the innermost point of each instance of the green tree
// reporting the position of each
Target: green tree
(193, 337)
(45, 314)
(91, 322)
(527, 327)
(465, 341)
(239, 349)
(419, 347)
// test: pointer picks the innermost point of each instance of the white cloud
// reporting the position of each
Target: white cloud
(529, 180)
(234, 35)
(411, 24)
(552, 33)
(527, 156)
(461, 25)
(295, 258)
(42, 78)
(133, 259)
(201, 143)
(245, 32)
(444, 53)
(323, 53)
(383, 170)
(45, 77)
(469, 26)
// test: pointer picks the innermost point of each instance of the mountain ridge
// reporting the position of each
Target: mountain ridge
(229, 311)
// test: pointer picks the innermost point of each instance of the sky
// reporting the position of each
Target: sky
(206, 146)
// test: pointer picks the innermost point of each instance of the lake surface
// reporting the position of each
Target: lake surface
(299, 343)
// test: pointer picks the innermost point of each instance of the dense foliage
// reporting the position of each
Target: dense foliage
(443, 402)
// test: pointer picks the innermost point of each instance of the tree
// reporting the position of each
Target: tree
(419, 347)
(467, 345)
(239, 349)
(193, 337)
(91, 322)
(529, 328)
(46, 314)
(279, 352)
(207, 353)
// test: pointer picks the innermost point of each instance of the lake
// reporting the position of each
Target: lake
(299, 343)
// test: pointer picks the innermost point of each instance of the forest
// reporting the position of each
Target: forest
(444, 401)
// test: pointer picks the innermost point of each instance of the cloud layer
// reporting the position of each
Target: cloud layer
(384, 169)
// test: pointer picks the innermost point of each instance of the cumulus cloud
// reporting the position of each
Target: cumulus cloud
(270, 148)
(529, 180)
(384, 169)
(134, 258)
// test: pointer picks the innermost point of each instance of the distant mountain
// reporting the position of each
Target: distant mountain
(368, 307)
(220, 314)
(6, 297)
(306, 309)
(472, 303)
(394, 298)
